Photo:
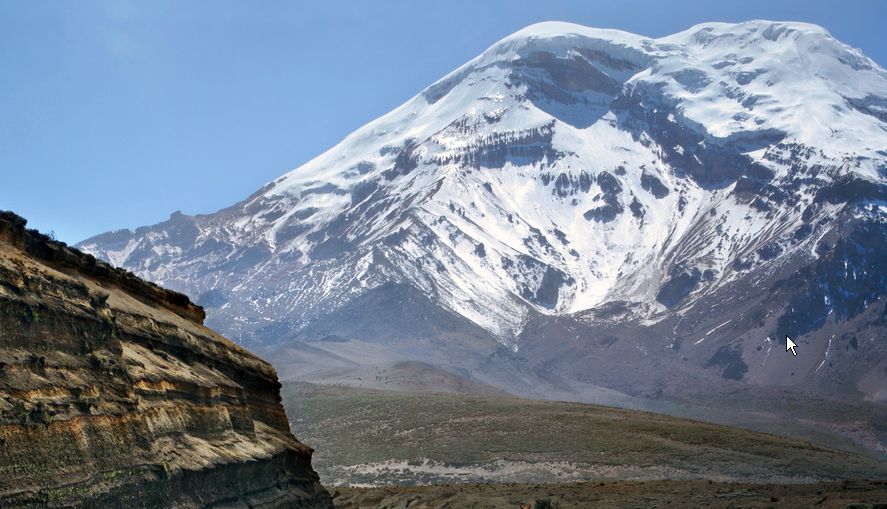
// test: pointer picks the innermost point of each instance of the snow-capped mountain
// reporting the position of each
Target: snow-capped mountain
(572, 201)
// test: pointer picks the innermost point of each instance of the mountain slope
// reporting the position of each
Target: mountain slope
(579, 213)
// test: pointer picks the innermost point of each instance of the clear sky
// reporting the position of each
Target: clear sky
(114, 114)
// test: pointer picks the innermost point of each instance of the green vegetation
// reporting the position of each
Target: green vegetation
(619, 494)
(401, 434)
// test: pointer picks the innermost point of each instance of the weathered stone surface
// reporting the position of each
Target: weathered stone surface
(113, 394)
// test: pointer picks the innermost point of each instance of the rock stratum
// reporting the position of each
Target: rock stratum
(114, 394)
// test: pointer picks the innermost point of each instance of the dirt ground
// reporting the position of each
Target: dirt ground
(618, 494)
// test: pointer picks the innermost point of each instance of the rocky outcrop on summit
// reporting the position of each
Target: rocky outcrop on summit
(113, 394)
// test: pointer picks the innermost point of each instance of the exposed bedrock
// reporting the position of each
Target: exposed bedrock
(113, 394)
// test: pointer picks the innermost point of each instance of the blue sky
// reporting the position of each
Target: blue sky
(114, 114)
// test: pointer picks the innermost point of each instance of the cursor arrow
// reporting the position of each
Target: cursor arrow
(790, 345)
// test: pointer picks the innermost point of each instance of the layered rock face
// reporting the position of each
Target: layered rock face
(114, 394)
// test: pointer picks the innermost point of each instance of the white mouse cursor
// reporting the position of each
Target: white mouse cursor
(790, 345)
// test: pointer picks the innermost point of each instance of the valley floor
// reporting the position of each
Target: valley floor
(856, 494)
(365, 437)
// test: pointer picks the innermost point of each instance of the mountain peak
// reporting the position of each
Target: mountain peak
(565, 173)
(554, 29)
(764, 28)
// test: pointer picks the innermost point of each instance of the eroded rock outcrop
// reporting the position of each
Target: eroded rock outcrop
(114, 394)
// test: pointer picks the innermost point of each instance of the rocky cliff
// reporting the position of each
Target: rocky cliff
(114, 394)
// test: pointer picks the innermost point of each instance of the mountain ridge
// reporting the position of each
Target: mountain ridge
(578, 211)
